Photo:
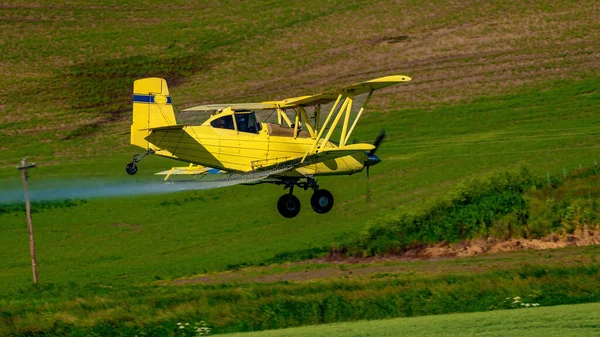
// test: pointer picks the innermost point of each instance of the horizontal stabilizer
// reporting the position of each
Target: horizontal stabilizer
(190, 170)
(224, 178)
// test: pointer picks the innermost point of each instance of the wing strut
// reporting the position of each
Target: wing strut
(344, 110)
(362, 108)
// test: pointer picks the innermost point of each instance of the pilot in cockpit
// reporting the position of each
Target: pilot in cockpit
(246, 122)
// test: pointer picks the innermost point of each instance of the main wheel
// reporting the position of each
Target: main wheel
(288, 205)
(321, 201)
(131, 168)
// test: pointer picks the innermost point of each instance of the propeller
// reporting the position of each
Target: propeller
(372, 159)
(377, 142)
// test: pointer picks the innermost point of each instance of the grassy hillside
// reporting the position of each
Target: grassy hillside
(68, 69)
(495, 85)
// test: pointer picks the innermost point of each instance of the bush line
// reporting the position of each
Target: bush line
(73, 310)
(512, 204)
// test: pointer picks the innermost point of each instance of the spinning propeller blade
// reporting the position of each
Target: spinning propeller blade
(377, 142)
(372, 159)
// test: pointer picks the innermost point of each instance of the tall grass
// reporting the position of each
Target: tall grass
(76, 310)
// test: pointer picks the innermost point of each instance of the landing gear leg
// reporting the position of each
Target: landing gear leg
(288, 205)
(132, 168)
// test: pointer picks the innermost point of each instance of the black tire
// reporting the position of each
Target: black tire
(131, 168)
(288, 205)
(321, 201)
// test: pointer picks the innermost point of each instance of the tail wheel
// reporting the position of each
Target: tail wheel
(288, 205)
(321, 201)
(131, 168)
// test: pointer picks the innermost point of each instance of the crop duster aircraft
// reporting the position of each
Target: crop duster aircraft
(234, 143)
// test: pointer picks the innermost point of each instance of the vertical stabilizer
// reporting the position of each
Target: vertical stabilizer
(151, 108)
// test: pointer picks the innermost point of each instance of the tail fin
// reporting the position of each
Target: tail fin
(151, 108)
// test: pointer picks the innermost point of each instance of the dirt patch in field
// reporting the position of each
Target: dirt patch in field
(584, 237)
(428, 260)
(476, 247)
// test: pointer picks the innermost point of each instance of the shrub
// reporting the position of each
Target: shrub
(510, 204)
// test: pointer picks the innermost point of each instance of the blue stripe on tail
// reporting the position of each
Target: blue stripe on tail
(138, 98)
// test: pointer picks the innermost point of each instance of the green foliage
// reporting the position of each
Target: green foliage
(497, 206)
(468, 211)
(125, 311)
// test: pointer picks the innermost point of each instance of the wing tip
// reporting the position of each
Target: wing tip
(391, 78)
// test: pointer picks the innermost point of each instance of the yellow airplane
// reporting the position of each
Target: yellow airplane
(234, 143)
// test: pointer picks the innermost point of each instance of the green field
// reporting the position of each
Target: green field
(565, 320)
(286, 298)
(495, 86)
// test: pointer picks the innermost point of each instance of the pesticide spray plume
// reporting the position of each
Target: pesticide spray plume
(89, 189)
(82, 189)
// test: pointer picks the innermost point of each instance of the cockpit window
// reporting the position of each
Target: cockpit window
(246, 122)
(225, 122)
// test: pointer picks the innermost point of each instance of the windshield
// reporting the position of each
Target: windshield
(246, 122)
(225, 122)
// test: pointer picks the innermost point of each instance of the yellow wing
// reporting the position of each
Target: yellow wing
(234, 106)
(354, 89)
(315, 158)
(322, 98)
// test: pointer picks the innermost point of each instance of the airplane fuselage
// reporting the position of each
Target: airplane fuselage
(233, 150)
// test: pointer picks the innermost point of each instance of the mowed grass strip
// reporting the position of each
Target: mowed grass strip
(559, 321)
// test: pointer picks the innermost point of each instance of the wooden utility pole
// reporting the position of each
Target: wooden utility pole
(23, 169)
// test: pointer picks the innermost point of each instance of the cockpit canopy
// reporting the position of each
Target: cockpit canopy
(245, 121)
